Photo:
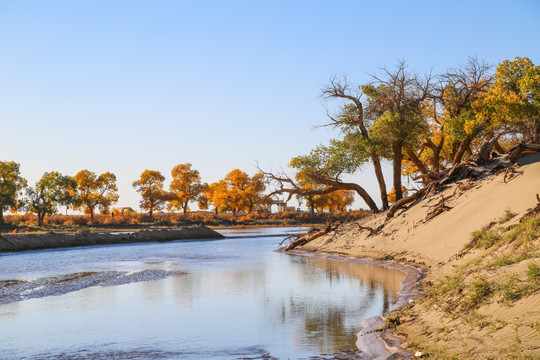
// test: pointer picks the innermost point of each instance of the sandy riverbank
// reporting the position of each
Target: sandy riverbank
(25, 242)
(503, 322)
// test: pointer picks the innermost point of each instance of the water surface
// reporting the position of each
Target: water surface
(230, 299)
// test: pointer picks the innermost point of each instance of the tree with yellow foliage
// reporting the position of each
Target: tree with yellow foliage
(186, 187)
(514, 99)
(150, 186)
(95, 191)
(334, 201)
(217, 195)
(236, 192)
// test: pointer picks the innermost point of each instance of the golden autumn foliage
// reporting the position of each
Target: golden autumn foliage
(392, 194)
(186, 187)
(95, 192)
(150, 186)
(236, 192)
(335, 201)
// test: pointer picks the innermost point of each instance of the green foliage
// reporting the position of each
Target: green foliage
(11, 185)
(508, 215)
(330, 161)
(514, 99)
(478, 291)
(509, 259)
(405, 127)
(52, 190)
(526, 231)
(533, 274)
(511, 289)
(483, 238)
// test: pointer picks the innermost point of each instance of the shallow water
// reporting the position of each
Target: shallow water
(228, 299)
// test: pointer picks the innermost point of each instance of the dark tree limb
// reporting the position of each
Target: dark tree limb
(290, 187)
(515, 153)
(484, 154)
(404, 201)
(371, 230)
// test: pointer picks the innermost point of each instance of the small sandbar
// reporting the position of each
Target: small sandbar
(18, 290)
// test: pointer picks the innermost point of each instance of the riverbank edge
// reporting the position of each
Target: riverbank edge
(374, 340)
(52, 240)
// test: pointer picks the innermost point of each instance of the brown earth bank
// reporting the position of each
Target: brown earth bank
(479, 240)
(24, 242)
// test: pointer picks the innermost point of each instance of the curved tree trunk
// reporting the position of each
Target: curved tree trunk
(484, 154)
(351, 186)
(462, 149)
(397, 160)
(380, 179)
(1, 216)
(404, 201)
(426, 174)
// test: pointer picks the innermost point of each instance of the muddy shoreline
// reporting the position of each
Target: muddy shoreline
(50, 240)
(373, 342)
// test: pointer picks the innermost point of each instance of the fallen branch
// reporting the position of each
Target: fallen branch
(509, 172)
(516, 152)
(371, 230)
(309, 237)
(440, 207)
(404, 201)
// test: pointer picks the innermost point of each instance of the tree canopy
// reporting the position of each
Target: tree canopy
(52, 190)
(185, 186)
(96, 192)
(424, 125)
(150, 186)
(11, 185)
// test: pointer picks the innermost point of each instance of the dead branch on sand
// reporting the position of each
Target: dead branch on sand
(311, 235)
(438, 209)
(371, 230)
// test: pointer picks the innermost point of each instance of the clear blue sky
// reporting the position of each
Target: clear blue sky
(125, 86)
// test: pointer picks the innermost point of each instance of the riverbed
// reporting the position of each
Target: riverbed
(225, 299)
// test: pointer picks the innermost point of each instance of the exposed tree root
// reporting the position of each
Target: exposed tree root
(404, 201)
(311, 235)
(516, 152)
(439, 208)
(371, 230)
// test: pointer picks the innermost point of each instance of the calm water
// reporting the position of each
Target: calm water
(237, 298)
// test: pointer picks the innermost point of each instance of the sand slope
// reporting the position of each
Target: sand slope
(435, 242)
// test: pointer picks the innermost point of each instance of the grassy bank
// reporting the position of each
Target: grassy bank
(487, 307)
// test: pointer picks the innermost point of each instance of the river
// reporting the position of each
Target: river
(225, 299)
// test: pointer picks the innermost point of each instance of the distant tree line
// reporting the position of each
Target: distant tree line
(91, 193)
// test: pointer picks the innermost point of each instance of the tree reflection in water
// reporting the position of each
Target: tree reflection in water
(328, 323)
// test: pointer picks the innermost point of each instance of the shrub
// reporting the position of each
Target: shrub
(478, 291)
(508, 215)
(533, 274)
(483, 238)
